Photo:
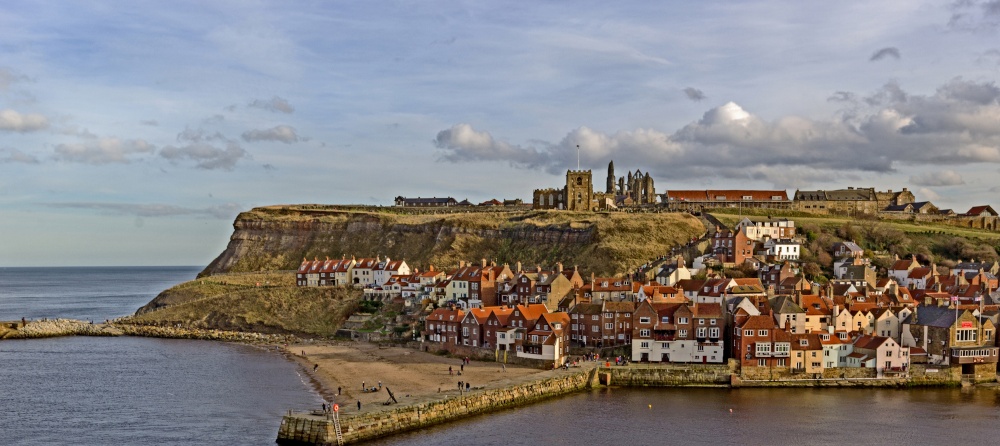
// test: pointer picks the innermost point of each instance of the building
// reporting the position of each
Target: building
(433, 202)
(850, 201)
(578, 194)
(771, 228)
(697, 200)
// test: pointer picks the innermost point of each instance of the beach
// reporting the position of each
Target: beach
(413, 376)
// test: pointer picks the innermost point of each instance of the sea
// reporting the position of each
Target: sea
(144, 391)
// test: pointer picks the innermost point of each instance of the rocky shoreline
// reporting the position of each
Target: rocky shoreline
(51, 328)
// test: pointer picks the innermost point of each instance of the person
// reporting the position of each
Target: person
(359, 404)
(462, 367)
(324, 407)
(449, 371)
(467, 386)
(380, 385)
(338, 390)
(363, 388)
(504, 367)
(315, 366)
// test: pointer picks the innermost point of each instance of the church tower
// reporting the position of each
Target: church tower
(611, 179)
(579, 190)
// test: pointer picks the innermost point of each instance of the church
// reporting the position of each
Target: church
(634, 189)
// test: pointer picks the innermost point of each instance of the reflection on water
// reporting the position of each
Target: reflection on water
(759, 416)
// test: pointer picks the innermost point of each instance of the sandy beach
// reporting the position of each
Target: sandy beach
(413, 376)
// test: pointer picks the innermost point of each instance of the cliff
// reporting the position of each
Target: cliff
(279, 237)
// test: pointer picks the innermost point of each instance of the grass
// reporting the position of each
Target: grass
(234, 302)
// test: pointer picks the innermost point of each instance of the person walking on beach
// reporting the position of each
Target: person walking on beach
(380, 385)
(363, 388)
(462, 367)
(338, 391)
(359, 405)
(315, 366)
(449, 371)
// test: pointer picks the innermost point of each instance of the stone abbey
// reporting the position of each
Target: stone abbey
(634, 189)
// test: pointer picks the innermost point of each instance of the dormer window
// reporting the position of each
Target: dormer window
(803, 342)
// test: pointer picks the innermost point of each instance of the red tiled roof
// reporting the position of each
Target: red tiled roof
(730, 195)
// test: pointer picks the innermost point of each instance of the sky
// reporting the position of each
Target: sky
(133, 133)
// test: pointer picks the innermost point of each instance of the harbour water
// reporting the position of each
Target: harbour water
(132, 391)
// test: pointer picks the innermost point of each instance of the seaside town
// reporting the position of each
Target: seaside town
(737, 294)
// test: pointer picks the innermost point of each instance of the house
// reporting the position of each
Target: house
(952, 336)
(671, 273)
(547, 339)
(855, 270)
(836, 347)
(444, 326)
(901, 268)
(847, 249)
(387, 268)
(885, 323)
(771, 276)
(788, 315)
(781, 249)
(883, 354)
(758, 342)
(980, 211)
(495, 326)
(732, 247)
(473, 334)
(363, 273)
(669, 332)
(772, 228)
(807, 353)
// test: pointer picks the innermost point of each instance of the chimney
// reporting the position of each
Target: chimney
(327, 258)
(518, 267)
(559, 267)
(592, 278)
(461, 263)
(538, 268)
(483, 262)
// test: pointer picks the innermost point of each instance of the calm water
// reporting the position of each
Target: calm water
(131, 391)
(138, 391)
(759, 417)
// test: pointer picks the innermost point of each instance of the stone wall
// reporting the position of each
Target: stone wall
(667, 375)
(379, 424)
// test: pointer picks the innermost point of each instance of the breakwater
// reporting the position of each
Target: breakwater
(71, 327)
(318, 429)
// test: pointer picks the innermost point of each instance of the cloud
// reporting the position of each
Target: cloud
(281, 133)
(694, 94)
(462, 143)
(974, 16)
(200, 135)
(13, 121)
(206, 155)
(888, 128)
(928, 194)
(103, 151)
(842, 96)
(889, 51)
(9, 77)
(275, 104)
(941, 178)
(150, 122)
(223, 211)
(16, 156)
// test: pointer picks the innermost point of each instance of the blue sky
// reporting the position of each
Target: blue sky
(132, 133)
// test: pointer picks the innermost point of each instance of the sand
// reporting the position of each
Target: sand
(413, 376)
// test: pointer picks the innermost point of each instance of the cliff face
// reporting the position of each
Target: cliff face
(278, 238)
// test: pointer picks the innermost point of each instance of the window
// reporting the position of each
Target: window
(595, 317)
(682, 320)
(644, 333)
(682, 333)
(701, 332)
(761, 362)
(761, 332)
(781, 362)
(643, 320)
(747, 332)
(644, 345)
(701, 322)
(609, 326)
(965, 334)
(713, 332)
(595, 329)
(711, 322)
